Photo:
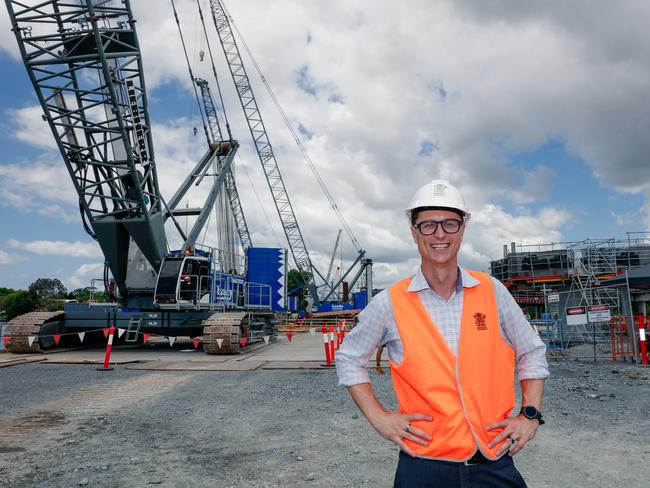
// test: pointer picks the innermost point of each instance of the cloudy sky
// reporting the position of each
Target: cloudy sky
(538, 111)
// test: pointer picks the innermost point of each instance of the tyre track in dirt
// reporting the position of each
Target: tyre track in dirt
(51, 424)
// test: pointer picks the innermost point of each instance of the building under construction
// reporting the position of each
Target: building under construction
(548, 279)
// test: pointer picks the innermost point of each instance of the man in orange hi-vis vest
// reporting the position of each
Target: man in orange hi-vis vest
(454, 338)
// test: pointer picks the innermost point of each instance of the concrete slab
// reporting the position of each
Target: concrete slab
(5, 363)
(304, 351)
(192, 366)
(89, 361)
(303, 347)
(211, 359)
(294, 365)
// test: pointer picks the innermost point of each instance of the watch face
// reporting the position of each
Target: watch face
(530, 412)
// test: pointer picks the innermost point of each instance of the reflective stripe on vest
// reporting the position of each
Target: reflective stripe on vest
(463, 396)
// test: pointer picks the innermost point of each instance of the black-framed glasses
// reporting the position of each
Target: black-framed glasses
(429, 227)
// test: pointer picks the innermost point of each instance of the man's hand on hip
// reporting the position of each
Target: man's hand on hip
(518, 431)
(396, 427)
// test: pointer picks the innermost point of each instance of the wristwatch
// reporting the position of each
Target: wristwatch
(532, 413)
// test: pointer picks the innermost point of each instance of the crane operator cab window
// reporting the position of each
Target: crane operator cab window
(183, 280)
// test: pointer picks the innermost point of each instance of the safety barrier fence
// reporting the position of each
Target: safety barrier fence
(629, 338)
(333, 331)
(305, 324)
(551, 332)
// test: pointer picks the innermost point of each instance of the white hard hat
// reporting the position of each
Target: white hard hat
(439, 193)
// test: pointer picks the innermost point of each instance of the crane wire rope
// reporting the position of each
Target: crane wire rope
(205, 231)
(223, 107)
(297, 140)
(189, 68)
(268, 220)
(214, 71)
(196, 94)
(227, 122)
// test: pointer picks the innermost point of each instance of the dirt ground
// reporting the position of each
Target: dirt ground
(70, 425)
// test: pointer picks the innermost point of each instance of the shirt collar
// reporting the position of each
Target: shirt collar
(465, 280)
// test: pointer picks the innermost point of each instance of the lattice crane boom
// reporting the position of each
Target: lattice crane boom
(263, 145)
(215, 136)
(84, 61)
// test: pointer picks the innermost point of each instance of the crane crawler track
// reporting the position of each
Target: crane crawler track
(41, 325)
(224, 327)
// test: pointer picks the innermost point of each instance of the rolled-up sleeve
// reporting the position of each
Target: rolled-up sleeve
(529, 348)
(360, 344)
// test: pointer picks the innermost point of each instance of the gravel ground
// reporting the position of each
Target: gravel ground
(67, 426)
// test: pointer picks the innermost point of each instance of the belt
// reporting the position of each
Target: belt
(478, 458)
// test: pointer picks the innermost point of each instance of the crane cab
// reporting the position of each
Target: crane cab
(183, 280)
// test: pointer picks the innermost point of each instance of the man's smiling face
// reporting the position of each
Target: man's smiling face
(438, 249)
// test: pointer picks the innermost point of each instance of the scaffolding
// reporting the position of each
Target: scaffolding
(572, 272)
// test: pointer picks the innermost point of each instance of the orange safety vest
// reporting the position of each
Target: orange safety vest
(464, 394)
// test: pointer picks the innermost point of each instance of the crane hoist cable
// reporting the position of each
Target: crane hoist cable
(196, 94)
(214, 70)
(189, 68)
(229, 216)
(268, 220)
(205, 231)
(297, 140)
(223, 108)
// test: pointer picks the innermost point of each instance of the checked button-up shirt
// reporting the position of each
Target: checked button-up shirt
(377, 327)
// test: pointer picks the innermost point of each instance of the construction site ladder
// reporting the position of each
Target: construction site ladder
(133, 329)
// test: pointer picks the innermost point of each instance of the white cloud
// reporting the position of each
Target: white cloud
(537, 186)
(44, 188)
(30, 127)
(492, 227)
(76, 249)
(7, 39)
(70, 215)
(83, 276)
(10, 258)
(474, 82)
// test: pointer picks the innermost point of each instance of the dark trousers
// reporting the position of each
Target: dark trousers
(427, 473)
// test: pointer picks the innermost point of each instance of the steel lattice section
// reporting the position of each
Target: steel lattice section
(84, 62)
(262, 143)
(229, 183)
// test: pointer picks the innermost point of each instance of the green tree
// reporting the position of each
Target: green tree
(47, 293)
(83, 295)
(6, 291)
(298, 285)
(47, 288)
(16, 303)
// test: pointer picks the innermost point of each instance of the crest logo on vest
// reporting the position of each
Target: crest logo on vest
(479, 321)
